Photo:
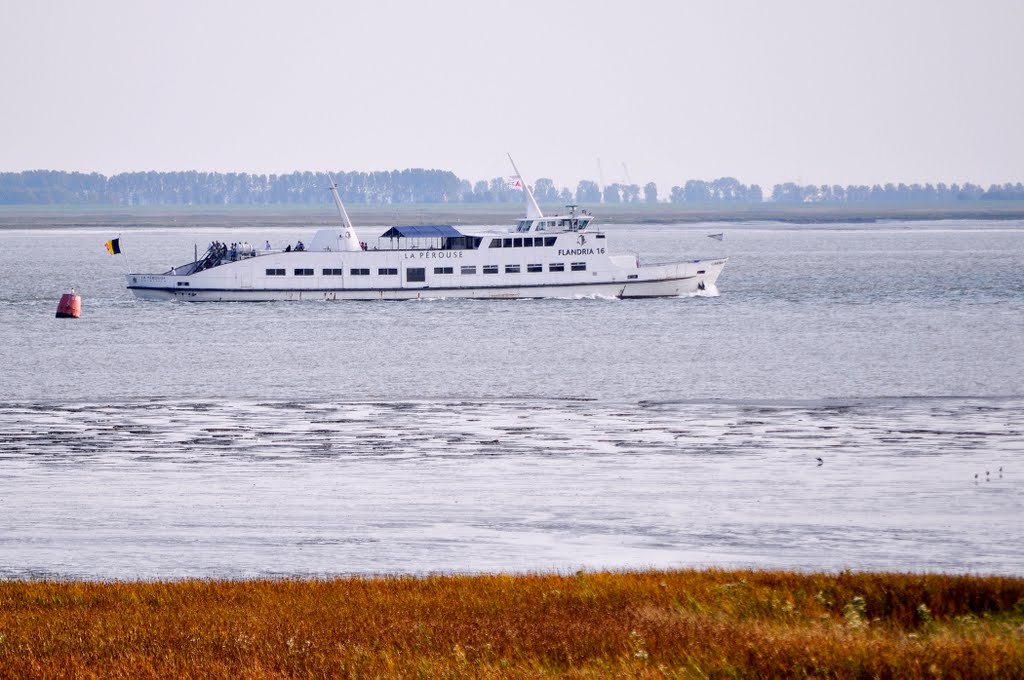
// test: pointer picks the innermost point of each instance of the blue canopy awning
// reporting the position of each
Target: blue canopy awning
(422, 231)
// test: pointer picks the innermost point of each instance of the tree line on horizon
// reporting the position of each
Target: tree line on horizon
(50, 187)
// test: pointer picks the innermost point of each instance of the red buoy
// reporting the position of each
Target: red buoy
(70, 306)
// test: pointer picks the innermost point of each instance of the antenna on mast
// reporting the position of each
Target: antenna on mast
(532, 209)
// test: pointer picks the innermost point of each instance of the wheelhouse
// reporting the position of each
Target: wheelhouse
(574, 221)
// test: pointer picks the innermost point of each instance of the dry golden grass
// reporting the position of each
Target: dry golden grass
(689, 624)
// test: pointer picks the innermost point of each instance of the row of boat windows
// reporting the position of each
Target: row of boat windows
(528, 242)
(465, 269)
(544, 225)
(515, 268)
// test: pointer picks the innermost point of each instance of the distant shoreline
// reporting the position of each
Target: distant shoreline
(304, 216)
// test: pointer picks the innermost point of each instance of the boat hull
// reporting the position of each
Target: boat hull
(672, 280)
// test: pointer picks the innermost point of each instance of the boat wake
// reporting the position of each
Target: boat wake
(710, 290)
(595, 296)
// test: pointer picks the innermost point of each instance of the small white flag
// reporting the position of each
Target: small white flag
(514, 183)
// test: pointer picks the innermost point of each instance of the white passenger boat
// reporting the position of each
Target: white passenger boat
(540, 256)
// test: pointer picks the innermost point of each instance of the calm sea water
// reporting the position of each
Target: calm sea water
(226, 440)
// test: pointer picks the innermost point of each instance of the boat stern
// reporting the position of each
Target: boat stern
(156, 286)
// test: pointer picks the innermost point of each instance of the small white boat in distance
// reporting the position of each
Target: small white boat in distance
(539, 257)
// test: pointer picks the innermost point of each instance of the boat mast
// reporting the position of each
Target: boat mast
(349, 241)
(532, 209)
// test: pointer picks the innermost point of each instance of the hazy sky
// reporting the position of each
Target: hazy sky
(816, 91)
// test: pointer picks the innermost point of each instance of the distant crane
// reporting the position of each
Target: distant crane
(629, 180)
(600, 175)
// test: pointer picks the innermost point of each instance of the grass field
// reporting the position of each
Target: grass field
(687, 624)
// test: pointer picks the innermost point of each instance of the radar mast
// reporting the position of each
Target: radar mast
(532, 209)
(349, 240)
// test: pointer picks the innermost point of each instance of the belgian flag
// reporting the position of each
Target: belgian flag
(113, 246)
